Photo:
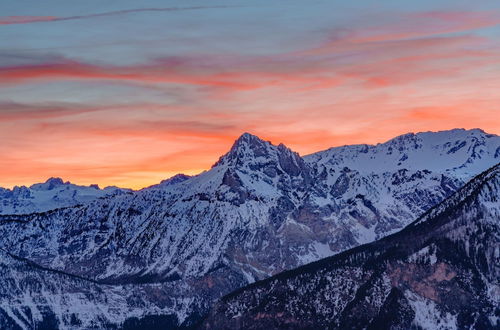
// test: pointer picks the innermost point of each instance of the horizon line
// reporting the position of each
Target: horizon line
(200, 171)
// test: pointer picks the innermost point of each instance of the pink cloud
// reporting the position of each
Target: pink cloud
(373, 63)
(8, 20)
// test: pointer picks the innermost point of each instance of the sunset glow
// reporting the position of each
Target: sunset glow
(118, 95)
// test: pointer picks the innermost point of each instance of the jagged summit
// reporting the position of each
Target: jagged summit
(247, 148)
(50, 184)
(250, 154)
(248, 137)
(249, 142)
(55, 181)
(240, 143)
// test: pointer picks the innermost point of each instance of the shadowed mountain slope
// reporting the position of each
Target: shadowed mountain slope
(440, 272)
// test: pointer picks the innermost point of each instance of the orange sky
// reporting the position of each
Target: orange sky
(100, 114)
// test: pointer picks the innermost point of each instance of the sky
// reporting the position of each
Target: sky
(129, 93)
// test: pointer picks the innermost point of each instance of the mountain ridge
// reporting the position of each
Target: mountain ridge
(27, 203)
(260, 210)
(52, 194)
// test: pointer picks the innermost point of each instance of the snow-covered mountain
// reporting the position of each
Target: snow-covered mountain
(174, 248)
(440, 272)
(460, 152)
(52, 194)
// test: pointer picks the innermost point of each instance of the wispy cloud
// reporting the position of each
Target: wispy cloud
(375, 65)
(10, 20)
(407, 27)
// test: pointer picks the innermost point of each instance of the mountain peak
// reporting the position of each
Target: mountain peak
(174, 180)
(246, 135)
(247, 146)
(54, 181)
(50, 184)
(247, 138)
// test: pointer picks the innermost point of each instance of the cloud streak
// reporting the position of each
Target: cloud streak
(376, 65)
(412, 26)
(11, 20)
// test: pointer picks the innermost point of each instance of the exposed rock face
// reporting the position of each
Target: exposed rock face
(174, 248)
(440, 272)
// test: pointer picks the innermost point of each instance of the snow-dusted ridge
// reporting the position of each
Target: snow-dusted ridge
(52, 194)
(463, 152)
(176, 247)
